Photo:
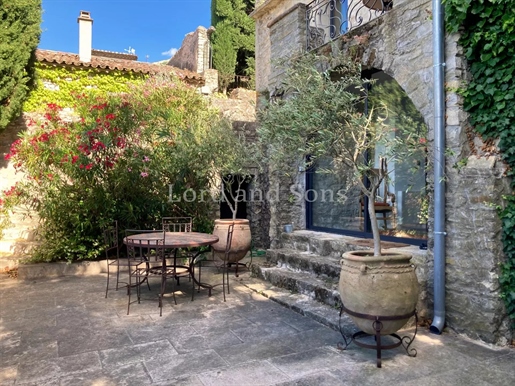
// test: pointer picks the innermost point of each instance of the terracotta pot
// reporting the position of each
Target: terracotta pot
(380, 286)
(241, 239)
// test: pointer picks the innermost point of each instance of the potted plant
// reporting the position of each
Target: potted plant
(320, 117)
(235, 167)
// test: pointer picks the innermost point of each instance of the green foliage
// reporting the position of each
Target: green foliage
(233, 39)
(117, 161)
(67, 83)
(487, 34)
(250, 71)
(19, 36)
(507, 277)
(224, 55)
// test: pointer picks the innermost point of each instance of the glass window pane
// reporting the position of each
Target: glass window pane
(334, 202)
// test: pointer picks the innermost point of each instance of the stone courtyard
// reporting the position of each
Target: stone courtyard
(63, 331)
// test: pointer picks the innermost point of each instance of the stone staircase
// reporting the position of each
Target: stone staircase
(303, 272)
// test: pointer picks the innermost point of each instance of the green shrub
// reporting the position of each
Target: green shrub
(19, 37)
(116, 160)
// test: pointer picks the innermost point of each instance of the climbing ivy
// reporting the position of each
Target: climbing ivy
(61, 85)
(487, 35)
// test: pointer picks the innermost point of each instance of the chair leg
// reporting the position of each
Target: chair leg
(161, 295)
(173, 293)
(192, 273)
(224, 268)
(117, 273)
(227, 269)
(129, 291)
(107, 285)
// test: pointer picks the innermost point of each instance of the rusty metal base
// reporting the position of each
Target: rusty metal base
(377, 324)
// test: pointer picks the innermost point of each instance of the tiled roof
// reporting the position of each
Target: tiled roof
(69, 59)
(112, 54)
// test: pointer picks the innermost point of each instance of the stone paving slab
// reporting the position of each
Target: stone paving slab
(63, 331)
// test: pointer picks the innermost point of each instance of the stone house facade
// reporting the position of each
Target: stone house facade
(395, 41)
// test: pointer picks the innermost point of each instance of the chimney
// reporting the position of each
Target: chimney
(85, 36)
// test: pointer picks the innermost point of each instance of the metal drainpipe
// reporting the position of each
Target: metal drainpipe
(439, 169)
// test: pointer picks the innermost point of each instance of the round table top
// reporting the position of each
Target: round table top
(173, 239)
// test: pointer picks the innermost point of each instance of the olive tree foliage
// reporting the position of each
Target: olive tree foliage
(19, 36)
(233, 39)
(321, 116)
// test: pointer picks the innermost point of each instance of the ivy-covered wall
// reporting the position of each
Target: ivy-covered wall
(487, 35)
(62, 85)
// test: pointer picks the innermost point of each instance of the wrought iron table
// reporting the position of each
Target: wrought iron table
(172, 241)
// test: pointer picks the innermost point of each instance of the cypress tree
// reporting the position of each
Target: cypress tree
(224, 55)
(19, 36)
(231, 19)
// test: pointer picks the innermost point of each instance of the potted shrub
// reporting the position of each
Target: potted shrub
(237, 163)
(320, 116)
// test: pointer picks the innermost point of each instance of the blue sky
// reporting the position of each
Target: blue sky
(150, 27)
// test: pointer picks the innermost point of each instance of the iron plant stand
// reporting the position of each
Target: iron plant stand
(377, 324)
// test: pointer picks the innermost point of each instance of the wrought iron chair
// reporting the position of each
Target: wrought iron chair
(139, 256)
(225, 266)
(220, 264)
(110, 245)
(179, 224)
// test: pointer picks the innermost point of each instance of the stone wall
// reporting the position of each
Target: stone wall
(474, 249)
(400, 44)
(195, 55)
(266, 11)
(16, 241)
(240, 108)
(194, 52)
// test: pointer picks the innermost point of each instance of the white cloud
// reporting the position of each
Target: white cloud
(171, 52)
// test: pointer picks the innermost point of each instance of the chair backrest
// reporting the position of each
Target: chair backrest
(145, 247)
(177, 224)
(230, 231)
(111, 239)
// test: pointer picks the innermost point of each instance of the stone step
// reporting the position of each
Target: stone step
(319, 243)
(302, 304)
(304, 261)
(318, 287)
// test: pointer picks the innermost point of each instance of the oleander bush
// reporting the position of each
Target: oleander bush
(117, 160)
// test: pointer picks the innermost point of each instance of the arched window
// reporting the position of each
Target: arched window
(402, 204)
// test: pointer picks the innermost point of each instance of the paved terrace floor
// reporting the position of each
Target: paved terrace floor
(62, 331)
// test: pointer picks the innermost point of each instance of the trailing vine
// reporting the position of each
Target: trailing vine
(487, 35)
(61, 85)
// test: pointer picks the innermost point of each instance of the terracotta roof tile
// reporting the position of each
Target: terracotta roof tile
(69, 59)
(112, 54)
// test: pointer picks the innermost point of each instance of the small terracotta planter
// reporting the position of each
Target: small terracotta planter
(241, 239)
(379, 286)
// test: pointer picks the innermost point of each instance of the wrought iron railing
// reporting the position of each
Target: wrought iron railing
(329, 19)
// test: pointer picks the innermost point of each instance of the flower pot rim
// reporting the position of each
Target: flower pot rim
(368, 256)
(231, 221)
